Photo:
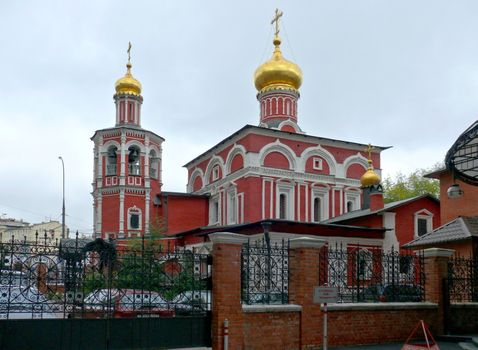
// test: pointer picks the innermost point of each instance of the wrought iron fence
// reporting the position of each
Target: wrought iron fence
(265, 273)
(78, 278)
(463, 279)
(364, 274)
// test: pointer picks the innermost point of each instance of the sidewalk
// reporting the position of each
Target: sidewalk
(396, 346)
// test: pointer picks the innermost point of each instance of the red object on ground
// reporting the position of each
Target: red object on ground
(430, 342)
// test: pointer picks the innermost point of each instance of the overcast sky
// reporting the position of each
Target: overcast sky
(394, 73)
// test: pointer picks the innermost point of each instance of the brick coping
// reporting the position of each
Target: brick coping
(271, 308)
(380, 306)
(462, 305)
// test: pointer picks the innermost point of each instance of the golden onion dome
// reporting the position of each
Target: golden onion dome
(278, 72)
(128, 84)
(370, 177)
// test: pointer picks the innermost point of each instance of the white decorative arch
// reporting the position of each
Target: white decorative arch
(197, 172)
(355, 159)
(155, 149)
(237, 149)
(322, 185)
(321, 152)
(105, 146)
(137, 144)
(277, 146)
(290, 123)
(215, 160)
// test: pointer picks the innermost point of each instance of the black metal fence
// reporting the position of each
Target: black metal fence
(364, 274)
(79, 278)
(463, 279)
(265, 272)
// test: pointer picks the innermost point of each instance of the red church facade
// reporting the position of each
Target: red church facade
(260, 173)
(273, 171)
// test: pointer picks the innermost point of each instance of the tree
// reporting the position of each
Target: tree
(407, 186)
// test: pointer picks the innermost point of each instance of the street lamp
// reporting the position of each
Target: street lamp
(63, 208)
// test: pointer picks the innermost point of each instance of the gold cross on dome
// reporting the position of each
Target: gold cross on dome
(276, 20)
(129, 51)
(369, 151)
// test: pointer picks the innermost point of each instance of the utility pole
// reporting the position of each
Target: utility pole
(63, 208)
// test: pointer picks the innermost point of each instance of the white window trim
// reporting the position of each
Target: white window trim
(323, 194)
(354, 197)
(288, 190)
(131, 211)
(317, 163)
(212, 221)
(232, 206)
(215, 173)
(427, 216)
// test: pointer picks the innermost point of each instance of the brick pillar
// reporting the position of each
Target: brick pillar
(436, 269)
(304, 276)
(226, 288)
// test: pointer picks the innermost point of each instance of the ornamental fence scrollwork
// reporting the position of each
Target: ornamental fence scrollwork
(84, 278)
(265, 273)
(368, 274)
(463, 279)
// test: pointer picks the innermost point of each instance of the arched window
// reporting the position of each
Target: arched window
(134, 218)
(282, 206)
(153, 164)
(350, 206)
(317, 209)
(134, 164)
(111, 161)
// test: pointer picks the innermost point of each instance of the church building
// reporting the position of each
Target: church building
(273, 171)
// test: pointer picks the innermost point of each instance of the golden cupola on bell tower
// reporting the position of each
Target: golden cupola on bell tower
(370, 177)
(128, 97)
(277, 82)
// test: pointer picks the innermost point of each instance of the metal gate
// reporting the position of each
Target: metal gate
(80, 294)
(460, 286)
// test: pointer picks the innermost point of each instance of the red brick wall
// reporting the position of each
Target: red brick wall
(466, 205)
(184, 213)
(348, 324)
(271, 330)
(376, 326)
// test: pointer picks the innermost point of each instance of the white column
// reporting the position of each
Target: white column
(123, 158)
(98, 211)
(146, 212)
(146, 161)
(121, 214)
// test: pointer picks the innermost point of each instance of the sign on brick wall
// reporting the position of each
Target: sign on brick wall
(325, 295)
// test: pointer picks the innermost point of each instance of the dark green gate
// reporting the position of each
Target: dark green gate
(81, 334)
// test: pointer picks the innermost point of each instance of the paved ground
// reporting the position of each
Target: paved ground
(397, 346)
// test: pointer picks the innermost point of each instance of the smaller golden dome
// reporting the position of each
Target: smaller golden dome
(278, 72)
(370, 177)
(128, 84)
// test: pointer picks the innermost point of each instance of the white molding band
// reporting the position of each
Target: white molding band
(271, 308)
(438, 252)
(306, 242)
(228, 238)
(380, 306)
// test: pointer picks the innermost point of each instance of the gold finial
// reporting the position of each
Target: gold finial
(129, 55)
(128, 84)
(276, 20)
(369, 150)
(369, 178)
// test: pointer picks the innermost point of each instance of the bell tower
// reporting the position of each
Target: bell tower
(127, 167)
